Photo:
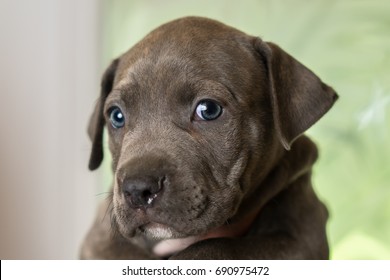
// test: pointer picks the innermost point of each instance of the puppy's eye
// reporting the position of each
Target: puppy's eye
(208, 110)
(117, 118)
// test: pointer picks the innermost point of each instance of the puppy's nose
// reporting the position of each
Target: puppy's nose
(141, 192)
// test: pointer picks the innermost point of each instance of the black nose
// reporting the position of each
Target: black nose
(141, 192)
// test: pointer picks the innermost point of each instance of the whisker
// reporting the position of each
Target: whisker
(103, 193)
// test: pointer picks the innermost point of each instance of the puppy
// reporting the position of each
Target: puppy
(205, 130)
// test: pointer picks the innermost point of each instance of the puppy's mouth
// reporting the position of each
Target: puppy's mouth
(158, 223)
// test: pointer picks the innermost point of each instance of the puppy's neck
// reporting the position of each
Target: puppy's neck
(169, 247)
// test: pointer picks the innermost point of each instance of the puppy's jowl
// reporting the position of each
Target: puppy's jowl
(205, 129)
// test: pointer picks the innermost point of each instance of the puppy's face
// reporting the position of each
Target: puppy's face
(192, 123)
(181, 131)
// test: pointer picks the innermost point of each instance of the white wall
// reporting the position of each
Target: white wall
(49, 78)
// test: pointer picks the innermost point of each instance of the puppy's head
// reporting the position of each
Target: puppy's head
(197, 114)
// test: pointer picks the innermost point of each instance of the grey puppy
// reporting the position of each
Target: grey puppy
(205, 129)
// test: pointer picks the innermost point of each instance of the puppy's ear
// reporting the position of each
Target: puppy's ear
(299, 98)
(96, 122)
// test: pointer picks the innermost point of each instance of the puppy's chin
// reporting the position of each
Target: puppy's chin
(158, 231)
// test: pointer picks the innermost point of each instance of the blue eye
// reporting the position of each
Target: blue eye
(116, 117)
(208, 110)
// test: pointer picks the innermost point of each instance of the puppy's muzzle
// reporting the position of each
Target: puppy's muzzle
(141, 192)
(143, 180)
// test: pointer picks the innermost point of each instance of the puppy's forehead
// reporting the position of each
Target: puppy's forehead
(192, 44)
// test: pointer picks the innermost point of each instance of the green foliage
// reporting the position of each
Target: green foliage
(347, 43)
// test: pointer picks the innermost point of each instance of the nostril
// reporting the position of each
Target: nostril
(148, 197)
(146, 193)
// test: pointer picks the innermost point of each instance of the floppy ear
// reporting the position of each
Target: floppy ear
(299, 98)
(96, 122)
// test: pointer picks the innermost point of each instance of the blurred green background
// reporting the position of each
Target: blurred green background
(347, 44)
